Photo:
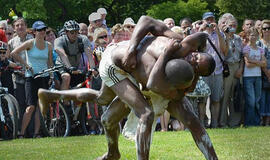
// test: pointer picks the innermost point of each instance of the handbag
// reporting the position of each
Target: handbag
(226, 70)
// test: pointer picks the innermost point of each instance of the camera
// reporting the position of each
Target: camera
(210, 25)
(188, 31)
(229, 29)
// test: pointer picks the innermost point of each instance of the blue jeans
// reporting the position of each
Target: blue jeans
(252, 90)
(265, 103)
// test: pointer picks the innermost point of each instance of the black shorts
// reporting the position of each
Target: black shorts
(31, 89)
(76, 79)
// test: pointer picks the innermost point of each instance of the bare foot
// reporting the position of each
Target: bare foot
(106, 156)
(45, 98)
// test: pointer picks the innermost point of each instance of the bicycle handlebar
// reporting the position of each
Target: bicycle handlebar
(50, 70)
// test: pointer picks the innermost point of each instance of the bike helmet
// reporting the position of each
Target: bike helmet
(71, 25)
(3, 47)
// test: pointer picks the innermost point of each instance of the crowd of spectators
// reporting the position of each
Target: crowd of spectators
(78, 45)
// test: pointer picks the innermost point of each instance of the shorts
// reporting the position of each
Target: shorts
(215, 83)
(115, 75)
(31, 89)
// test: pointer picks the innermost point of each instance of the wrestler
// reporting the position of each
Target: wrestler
(127, 91)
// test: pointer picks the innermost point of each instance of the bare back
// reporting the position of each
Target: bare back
(147, 55)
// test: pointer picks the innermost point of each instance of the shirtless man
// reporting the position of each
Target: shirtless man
(120, 84)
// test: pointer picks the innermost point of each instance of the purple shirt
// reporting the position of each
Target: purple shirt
(210, 50)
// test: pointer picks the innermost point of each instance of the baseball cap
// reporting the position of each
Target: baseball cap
(39, 25)
(94, 16)
(208, 14)
(129, 21)
(102, 11)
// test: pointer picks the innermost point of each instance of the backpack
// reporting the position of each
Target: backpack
(80, 46)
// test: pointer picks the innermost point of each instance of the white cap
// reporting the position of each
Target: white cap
(94, 16)
(102, 11)
(129, 21)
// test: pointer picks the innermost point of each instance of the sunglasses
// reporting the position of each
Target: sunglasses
(102, 37)
(40, 30)
(266, 29)
(99, 20)
(9, 34)
(74, 32)
(129, 27)
(2, 52)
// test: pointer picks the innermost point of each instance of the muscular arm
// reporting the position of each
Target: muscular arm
(157, 79)
(147, 24)
(144, 26)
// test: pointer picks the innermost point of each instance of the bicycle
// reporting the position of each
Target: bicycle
(75, 118)
(55, 122)
(8, 115)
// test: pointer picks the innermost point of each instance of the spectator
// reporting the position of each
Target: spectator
(19, 85)
(186, 25)
(3, 37)
(215, 80)
(169, 22)
(73, 49)
(9, 32)
(3, 25)
(95, 21)
(103, 13)
(254, 60)
(129, 24)
(83, 29)
(119, 33)
(258, 25)
(38, 58)
(264, 42)
(248, 23)
(228, 115)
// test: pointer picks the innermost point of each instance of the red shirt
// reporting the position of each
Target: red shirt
(3, 37)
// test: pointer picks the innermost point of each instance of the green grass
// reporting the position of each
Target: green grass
(232, 144)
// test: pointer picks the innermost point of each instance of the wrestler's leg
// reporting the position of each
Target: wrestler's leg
(110, 120)
(181, 111)
(132, 96)
(102, 97)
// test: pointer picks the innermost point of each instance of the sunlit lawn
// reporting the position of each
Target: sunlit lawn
(232, 144)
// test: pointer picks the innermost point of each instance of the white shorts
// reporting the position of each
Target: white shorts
(109, 72)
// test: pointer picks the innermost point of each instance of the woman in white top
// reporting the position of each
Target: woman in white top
(254, 60)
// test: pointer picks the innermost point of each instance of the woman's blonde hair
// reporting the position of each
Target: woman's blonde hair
(97, 32)
(252, 30)
(117, 28)
(263, 22)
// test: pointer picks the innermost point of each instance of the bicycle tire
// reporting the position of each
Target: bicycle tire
(16, 105)
(53, 126)
(10, 125)
(83, 118)
(85, 122)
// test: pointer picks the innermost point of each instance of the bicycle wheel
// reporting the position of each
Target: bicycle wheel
(15, 104)
(9, 119)
(87, 122)
(56, 122)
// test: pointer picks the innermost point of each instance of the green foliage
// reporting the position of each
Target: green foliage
(178, 10)
(56, 12)
(255, 9)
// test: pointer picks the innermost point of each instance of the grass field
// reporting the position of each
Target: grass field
(232, 144)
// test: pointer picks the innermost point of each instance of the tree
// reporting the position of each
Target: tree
(178, 10)
(255, 9)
